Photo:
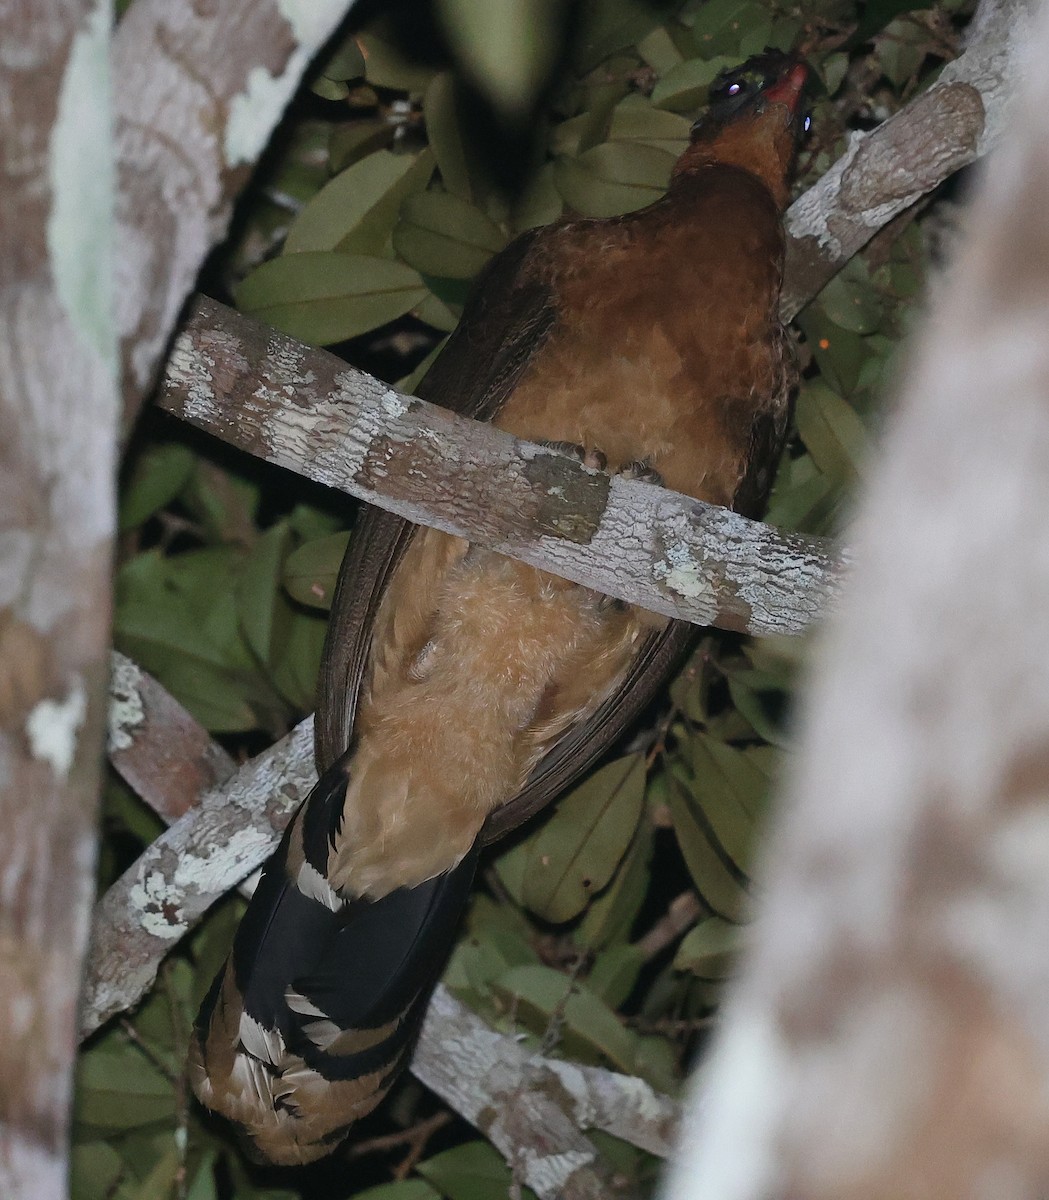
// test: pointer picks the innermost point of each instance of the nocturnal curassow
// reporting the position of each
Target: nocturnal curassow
(471, 688)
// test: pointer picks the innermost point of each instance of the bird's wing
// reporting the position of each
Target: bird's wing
(503, 325)
(505, 321)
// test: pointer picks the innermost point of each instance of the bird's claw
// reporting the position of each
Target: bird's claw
(642, 471)
(589, 457)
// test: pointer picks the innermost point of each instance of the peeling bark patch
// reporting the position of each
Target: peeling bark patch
(570, 503)
(254, 111)
(897, 163)
(52, 728)
(126, 710)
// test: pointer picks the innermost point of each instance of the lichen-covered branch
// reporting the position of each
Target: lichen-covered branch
(160, 898)
(556, 1096)
(887, 170)
(201, 87)
(888, 1037)
(534, 1110)
(307, 410)
(157, 747)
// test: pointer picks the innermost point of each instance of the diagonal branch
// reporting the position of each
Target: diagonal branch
(307, 410)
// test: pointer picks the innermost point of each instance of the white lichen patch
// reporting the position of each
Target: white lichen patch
(223, 865)
(547, 1174)
(254, 111)
(52, 728)
(311, 21)
(682, 575)
(126, 711)
(641, 1099)
(157, 903)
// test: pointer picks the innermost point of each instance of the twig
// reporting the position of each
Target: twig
(683, 912)
(415, 1138)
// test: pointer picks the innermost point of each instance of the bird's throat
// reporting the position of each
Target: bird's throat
(762, 144)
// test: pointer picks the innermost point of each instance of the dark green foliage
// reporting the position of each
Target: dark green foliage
(376, 207)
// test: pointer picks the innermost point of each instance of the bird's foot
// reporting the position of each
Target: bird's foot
(588, 456)
(641, 470)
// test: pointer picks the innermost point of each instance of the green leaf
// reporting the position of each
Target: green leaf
(474, 1171)
(684, 87)
(439, 234)
(635, 120)
(344, 62)
(310, 573)
(614, 973)
(540, 203)
(296, 660)
(177, 617)
(386, 66)
(444, 133)
(356, 211)
(832, 432)
(158, 475)
(507, 47)
(325, 297)
(852, 304)
(612, 26)
(590, 1025)
(732, 790)
(95, 1170)
(349, 143)
(718, 883)
(612, 914)
(709, 950)
(613, 178)
(118, 1088)
(265, 616)
(329, 89)
(659, 50)
(402, 1189)
(576, 852)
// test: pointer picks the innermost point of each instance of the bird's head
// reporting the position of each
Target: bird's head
(755, 121)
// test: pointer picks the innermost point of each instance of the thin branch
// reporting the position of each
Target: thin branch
(162, 896)
(308, 411)
(533, 1110)
(884, 172)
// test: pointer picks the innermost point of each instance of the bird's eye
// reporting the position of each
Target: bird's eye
(806, 125)
(734, 88)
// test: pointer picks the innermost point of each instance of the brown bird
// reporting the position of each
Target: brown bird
(469, 687)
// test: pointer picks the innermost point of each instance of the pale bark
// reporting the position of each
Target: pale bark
(886, 171)
(201, 87)
(889, 1036)
(58, 417)
(163, 895)
(308, 411)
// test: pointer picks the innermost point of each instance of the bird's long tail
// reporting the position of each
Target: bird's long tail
(317, 1008)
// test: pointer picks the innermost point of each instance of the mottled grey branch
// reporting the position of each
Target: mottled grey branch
(308, 411)
(162, 896)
